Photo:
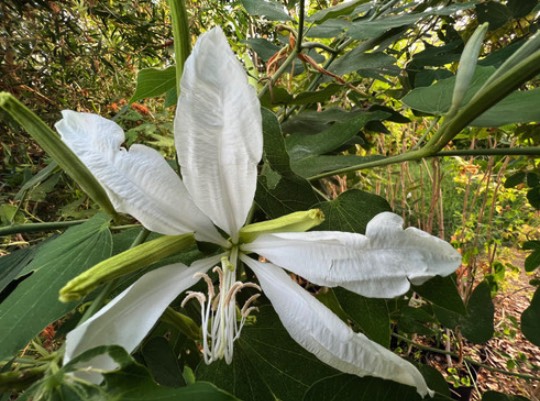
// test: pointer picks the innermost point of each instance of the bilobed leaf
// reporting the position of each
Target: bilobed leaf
(272, 10)
(371, 315)
(351, 211)
(34, 304)
(267, 364)
(264, 48)
(152, 82)
(530, 320)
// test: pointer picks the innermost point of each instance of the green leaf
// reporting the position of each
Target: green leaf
(270, 9)
(351, 211)
(153, 82)
(533, 196)
(264, 48)
(437, 98)
(162, 362)
(442, 291)
(521, 8)
(513, 109)
(494, 13)
(370, 314)
(415, 321)
(344, 387)
(494, 396)
(335, 11)
(267, 364)
(34, 303)
(530, 320)
(477, 324)
(132, 382)
(279, 190)
(11, 265)
(322, 95)
(337, 135)
(514, 180)
(532, 261)
(358, 59)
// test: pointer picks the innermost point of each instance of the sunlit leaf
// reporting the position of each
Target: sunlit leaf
(152, 82)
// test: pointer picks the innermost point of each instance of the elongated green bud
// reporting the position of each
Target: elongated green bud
(124, 263)
(182, 43)
(467, 66)
(294, 222)
(52, 144)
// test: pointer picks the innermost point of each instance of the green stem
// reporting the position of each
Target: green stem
(21, 379)
(531, 151)
(182, 42)
(300, 27)
(468, 360)
(38, 227)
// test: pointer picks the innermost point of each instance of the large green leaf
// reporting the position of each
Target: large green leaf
(477, 324)
(34, 303)
(494, 13)
(314, 165)
(336, 11)
(357, 59)
(351, 211)
(530, 320)
(352, 388)
(515, 108)
(272, 10)
(520, 8)
(533, 260)
(442, 291)
(279, 190)
(334, 137)
(267, 365)
(152, 82)
(370, 314)
(437, 98)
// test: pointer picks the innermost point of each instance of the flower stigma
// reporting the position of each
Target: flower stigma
(221, 323)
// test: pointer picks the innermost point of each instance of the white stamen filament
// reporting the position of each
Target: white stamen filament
(220, 325)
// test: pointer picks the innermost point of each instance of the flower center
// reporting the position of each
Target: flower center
(221, 322)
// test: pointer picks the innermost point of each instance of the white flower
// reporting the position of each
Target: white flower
(219, 142)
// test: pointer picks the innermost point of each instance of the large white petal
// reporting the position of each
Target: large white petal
(127, 319)
(380, 264)
(322, 333)
(218, 132)
(139, 181)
